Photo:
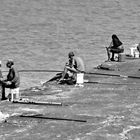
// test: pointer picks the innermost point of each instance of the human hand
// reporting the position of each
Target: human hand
(67, 64)
(8, 82)
(1, 79)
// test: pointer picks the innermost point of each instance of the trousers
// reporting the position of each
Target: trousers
(5, 85)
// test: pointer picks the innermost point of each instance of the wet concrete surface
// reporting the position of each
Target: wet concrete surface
(105, 111)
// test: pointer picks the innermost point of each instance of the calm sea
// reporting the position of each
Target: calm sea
(38, 34)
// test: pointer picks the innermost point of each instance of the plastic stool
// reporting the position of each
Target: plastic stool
(80, 79)
(14, 94)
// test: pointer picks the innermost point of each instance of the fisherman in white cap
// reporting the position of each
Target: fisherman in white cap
(74, 65)
(12, 81)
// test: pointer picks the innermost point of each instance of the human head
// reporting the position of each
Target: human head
(116, 41)
(71, 54)
(9, 63)
(114, 36)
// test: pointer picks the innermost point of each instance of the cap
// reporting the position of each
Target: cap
(71, 54)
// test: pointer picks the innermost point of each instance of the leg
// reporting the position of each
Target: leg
(55, 78)
(4, 85)
(66, 69)
(115, 50)
(3, 92)
(112, 58)
(64, 73)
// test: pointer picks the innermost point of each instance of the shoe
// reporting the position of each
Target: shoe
(112, 59)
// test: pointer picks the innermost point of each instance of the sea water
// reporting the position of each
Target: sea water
(39, 34)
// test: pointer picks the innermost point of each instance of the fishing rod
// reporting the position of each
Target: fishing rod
(52, 118)
(105, 74)
(114, 75)
(40, 103)
(90, 82)
(22, 71)
(90, 73)
(40, 71)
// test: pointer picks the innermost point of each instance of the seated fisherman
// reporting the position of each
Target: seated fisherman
(74, 65)
(12, 80)
(115, 47)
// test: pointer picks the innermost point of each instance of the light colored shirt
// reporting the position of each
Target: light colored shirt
(80, 66)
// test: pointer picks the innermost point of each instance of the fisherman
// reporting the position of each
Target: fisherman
(12, 81)
(114, 47)
(73, 66)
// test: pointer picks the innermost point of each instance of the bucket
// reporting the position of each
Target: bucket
(80, 79)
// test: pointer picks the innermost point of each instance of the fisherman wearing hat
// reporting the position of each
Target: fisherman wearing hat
(12, 80)
(75, 65)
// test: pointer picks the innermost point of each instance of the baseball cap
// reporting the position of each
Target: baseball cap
(71, 54)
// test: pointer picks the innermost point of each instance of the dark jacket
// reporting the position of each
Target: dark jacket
(13, 76)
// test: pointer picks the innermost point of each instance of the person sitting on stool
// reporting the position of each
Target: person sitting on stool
(74, 65)
(13, 79)
(115, 47)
